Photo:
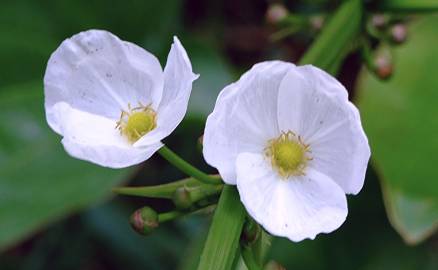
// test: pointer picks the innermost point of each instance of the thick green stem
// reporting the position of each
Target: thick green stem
(336, 38)
(249, 259)
(187, 168)
(222, 245)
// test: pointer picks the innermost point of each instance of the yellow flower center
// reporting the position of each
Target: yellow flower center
(288, 154)
(137, 122)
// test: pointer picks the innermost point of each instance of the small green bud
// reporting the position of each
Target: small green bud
(181, 198)
(144, 220)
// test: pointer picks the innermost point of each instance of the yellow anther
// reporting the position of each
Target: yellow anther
(137, 122)
(288, 154)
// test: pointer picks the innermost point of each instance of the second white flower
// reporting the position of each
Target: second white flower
(294, 145)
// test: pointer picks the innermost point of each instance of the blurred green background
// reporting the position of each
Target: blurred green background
(58, 213)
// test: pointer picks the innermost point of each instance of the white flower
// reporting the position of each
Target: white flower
(111, 100)
(294, 145)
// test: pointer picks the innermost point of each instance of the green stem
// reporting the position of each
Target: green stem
(222, 245)
(203, 191)
(333, 42)
(164, 217)
(249, 259)
(187, 168)
(164, 191)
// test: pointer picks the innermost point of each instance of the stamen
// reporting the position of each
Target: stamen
(289, 154)
(137, 122)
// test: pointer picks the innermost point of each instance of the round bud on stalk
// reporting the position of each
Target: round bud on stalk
(273, 265)
(144, 220)
(379, 21)
(399, 33)
(181, 198)
(276, 13)
(383, 63)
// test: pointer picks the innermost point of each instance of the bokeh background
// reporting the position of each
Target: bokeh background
(59, 213)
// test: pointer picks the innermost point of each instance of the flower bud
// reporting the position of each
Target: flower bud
(399, 33)
(181, 198)
(379, 21)
(276, 13)
(383, 64)
(144, 220)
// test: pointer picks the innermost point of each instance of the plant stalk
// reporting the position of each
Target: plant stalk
(187, 168)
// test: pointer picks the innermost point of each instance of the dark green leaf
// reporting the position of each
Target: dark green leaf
(401, 119)
(39, 182)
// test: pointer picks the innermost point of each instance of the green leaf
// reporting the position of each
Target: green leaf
(221, 247)
(415, 217)
(401, 120)
(39, 182)
(336, 38)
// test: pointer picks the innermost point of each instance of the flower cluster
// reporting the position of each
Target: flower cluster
(286, 135)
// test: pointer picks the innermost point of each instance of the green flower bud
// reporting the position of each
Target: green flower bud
(144, 220)
(181, 198)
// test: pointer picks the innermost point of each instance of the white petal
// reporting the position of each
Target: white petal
(96, 72)
(94, 138)
(315, 106)
(244, 117)
(178, 79)
(296, 208)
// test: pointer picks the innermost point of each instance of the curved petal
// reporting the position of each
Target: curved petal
(296, 208)
(314, 105)
(178, 79)
(96, 72)
(244, 117)
(94, 138)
